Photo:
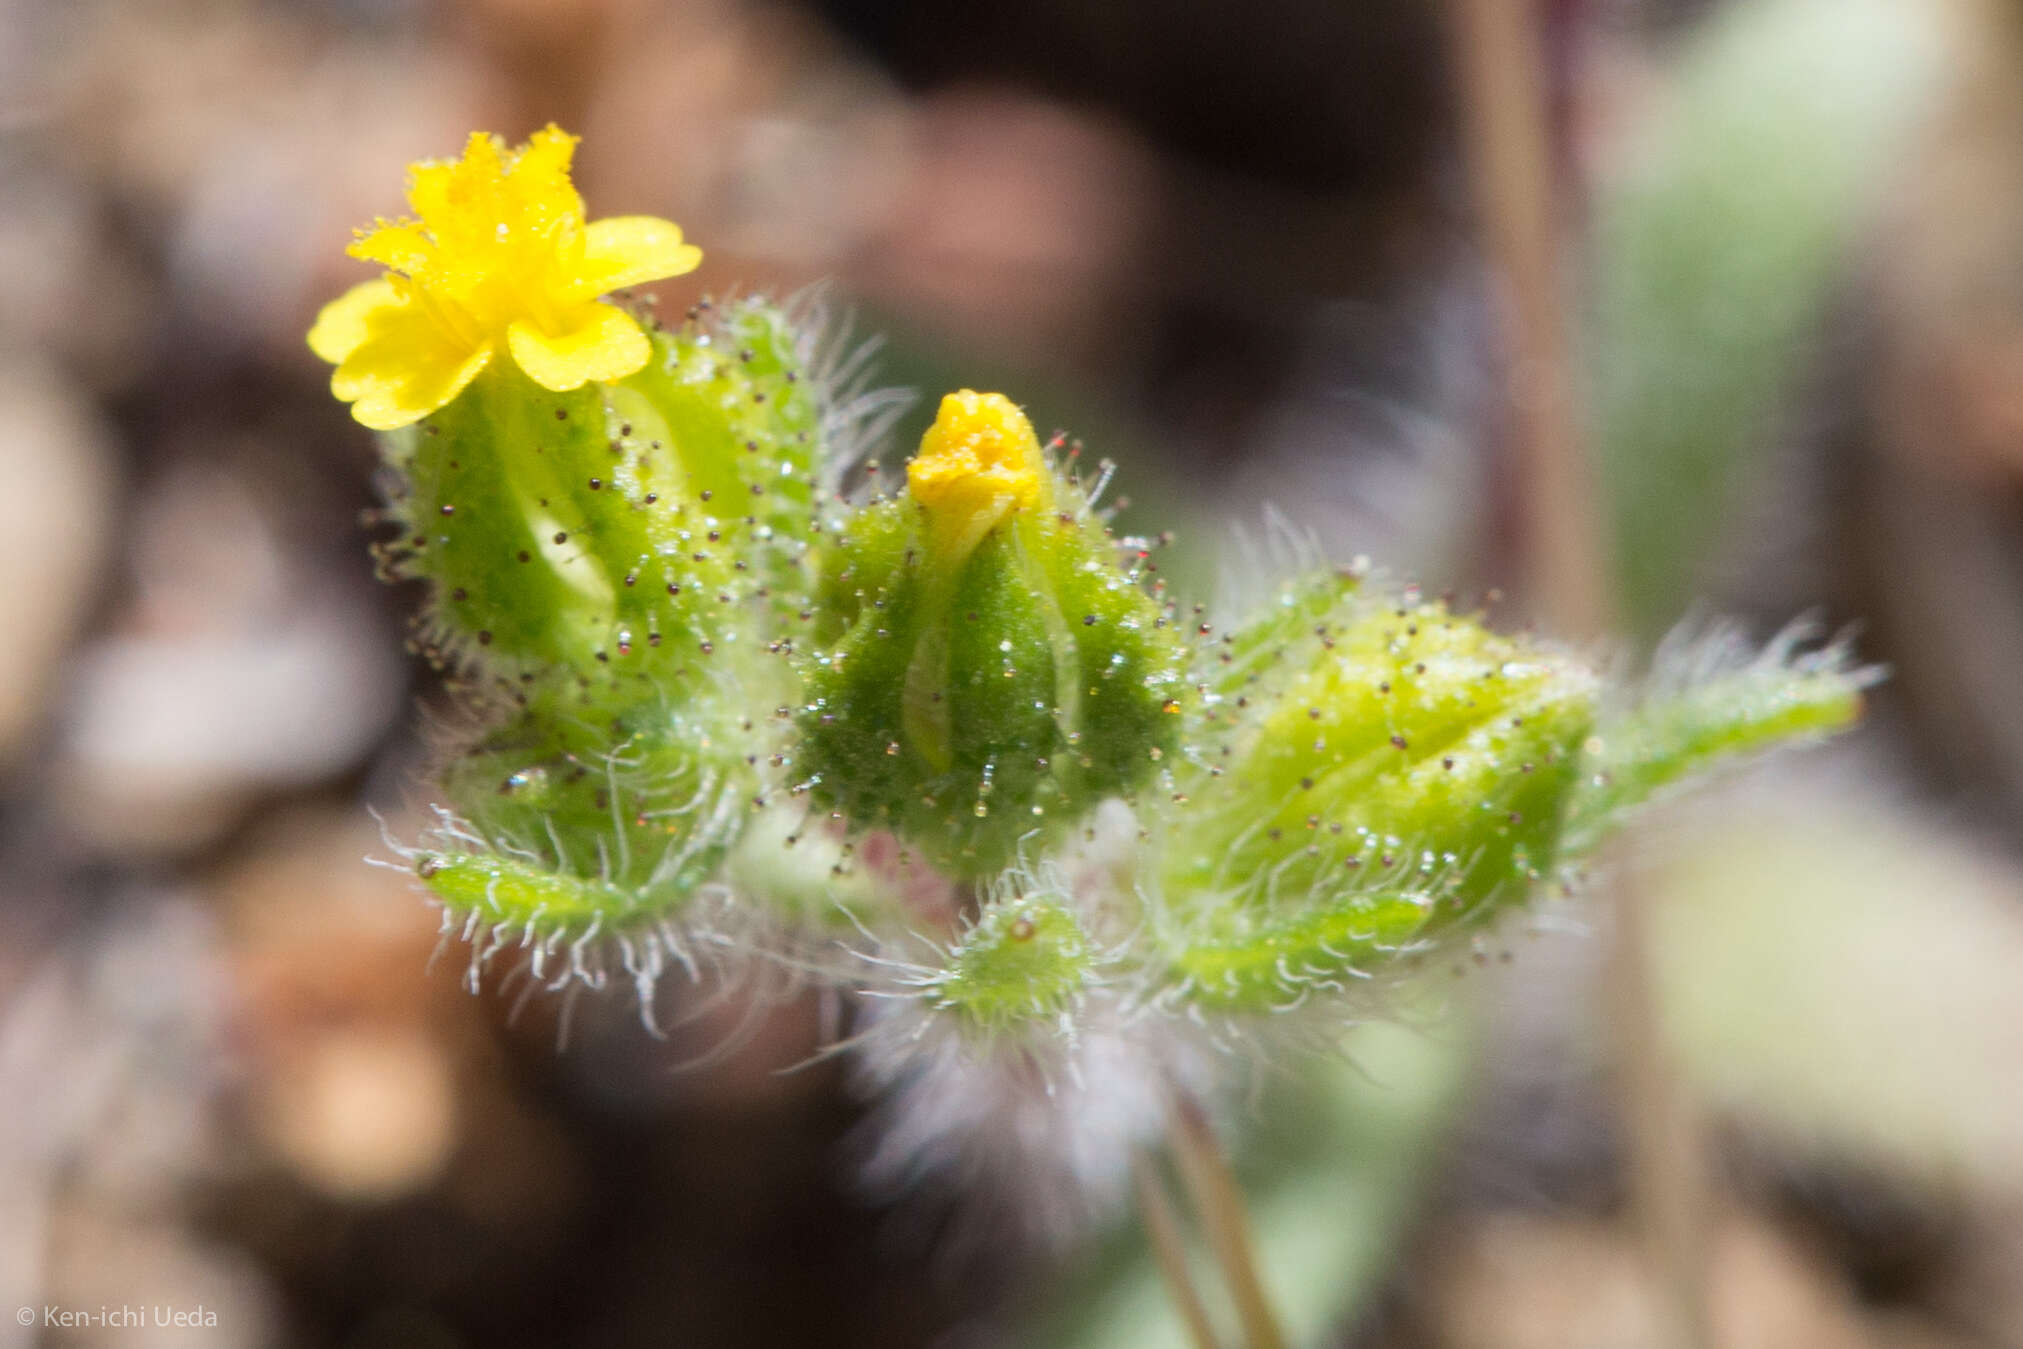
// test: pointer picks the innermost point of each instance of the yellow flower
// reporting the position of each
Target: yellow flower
(978, 462)
(500, 260)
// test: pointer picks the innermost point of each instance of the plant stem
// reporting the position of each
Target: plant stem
(1501, 64)
(1218, 1201)
(1169, 1248)
(1672, 1201)
(1500, 61)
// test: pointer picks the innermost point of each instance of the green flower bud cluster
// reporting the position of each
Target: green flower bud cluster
(706, 691)
(716, 708)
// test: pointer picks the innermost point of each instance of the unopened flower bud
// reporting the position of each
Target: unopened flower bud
(1024, 962)
(1389, 772)
(997, 671)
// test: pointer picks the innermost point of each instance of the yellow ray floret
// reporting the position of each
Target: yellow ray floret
(978, 462)
(500, 260)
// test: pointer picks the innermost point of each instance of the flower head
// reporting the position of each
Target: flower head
(500, 259)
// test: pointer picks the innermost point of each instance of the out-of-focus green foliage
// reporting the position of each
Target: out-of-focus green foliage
(1716, 251)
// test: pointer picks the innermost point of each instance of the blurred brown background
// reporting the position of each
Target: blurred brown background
(1229, 243)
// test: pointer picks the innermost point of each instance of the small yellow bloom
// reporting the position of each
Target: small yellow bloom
(499, 260)
(978, 462)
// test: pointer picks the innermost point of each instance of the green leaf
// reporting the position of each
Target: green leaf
(1716, 253)
(1711, 703)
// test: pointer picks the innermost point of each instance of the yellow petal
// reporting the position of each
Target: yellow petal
(540, 173)
(595, 341)
(460, 200)
(429, 190)
(536, 199)
(626, 250)
(345, 322)
(406, 368)
(396, 245)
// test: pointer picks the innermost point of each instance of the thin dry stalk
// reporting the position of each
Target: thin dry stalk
(1501, 66)
(1218, 1202)
(1500, 63)
(1169, 1248)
